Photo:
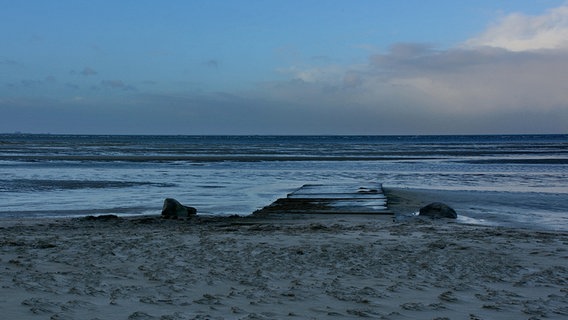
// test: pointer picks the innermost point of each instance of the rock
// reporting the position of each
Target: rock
(438, 210)
(174, 209)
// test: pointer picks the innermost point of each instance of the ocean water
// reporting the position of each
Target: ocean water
(74, 175)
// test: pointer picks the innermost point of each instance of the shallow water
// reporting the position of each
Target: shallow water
(59, 175)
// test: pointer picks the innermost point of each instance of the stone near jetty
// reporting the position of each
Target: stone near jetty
(438, 210)
(174, 209)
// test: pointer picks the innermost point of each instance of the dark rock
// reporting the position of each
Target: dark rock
(438, 210)
(173, 209)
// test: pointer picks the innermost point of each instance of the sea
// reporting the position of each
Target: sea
(51, 176)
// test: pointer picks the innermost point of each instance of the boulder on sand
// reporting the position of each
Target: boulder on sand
(438, 210)
(174, 209)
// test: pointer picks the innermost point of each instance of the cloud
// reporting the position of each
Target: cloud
(325, 73)
(88, 71)
(212, 63)
(31, 83)
(117, 84)
(511, 78)
(8, 62)
(477, 79)
(519, 32)
(72, 86)
(409, 89)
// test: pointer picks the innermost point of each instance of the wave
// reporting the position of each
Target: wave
(26, 185)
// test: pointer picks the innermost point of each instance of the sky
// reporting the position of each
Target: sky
(284, 67)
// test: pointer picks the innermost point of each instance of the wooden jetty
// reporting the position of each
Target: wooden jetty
(332, 199)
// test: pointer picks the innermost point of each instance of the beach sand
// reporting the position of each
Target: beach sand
(282, 267)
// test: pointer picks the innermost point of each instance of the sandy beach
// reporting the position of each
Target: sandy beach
(283, 267)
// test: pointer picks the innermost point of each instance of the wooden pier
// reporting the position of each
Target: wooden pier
(332, 199)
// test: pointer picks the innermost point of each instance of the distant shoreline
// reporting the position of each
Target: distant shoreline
(410, 136)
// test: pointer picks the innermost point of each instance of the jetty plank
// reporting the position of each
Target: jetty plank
(349, 188)
(335, 196)
(332, 199)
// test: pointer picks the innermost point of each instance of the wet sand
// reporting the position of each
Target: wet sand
(283, 266)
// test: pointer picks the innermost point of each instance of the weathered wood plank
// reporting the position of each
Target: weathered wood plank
(347, 188)
(332, 199)
(349, 191)
(359, 203)
(336, 196)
